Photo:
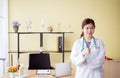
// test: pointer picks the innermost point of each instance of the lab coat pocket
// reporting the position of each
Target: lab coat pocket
(94, 52)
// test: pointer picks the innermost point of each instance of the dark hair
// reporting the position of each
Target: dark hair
(87, 21)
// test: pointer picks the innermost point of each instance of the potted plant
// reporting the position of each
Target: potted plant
(16, 25)
(12, 70)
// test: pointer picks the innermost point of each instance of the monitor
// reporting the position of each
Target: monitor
(39, 61)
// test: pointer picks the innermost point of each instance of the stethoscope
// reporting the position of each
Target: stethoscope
(94, 41)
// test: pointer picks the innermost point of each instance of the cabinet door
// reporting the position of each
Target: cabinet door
(111, 69)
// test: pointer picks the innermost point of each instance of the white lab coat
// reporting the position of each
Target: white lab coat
(95, 60)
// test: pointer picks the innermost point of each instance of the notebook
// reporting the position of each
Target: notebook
(62, 69)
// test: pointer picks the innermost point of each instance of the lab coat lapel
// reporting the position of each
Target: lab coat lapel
(84, 43)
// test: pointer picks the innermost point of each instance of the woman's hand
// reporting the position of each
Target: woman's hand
(86, 51)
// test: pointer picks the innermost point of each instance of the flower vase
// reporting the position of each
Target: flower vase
(12, 75)
(16, 28)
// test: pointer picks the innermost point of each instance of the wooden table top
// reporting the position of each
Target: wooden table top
(32, 74)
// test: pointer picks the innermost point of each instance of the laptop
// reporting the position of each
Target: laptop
(62, 69)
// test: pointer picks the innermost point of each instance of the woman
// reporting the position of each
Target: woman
(88, 53)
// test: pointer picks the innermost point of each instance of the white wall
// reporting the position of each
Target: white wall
(3, 35)
(68, 12)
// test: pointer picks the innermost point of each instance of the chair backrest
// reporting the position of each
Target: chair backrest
(39, 61)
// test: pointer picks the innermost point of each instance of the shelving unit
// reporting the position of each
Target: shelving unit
(41, 40)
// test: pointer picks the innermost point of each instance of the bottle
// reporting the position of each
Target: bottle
(43, 25)
(29, 28)
(19, 72)
(69, 28)
(18, 64)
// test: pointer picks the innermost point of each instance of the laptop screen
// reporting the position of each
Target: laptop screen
(39, 61)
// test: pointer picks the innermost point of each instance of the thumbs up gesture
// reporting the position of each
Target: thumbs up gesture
(86, 51)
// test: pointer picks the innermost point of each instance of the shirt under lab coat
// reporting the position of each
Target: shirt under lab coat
(95, 60)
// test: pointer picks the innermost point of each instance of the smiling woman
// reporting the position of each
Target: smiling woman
(88, 52)
(3, 35)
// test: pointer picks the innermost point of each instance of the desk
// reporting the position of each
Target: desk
(32, 74)
(111, 70)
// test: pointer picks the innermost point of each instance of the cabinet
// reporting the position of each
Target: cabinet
(112, 69)
(41, 34)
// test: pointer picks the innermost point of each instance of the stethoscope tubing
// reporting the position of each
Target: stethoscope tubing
(85, 42)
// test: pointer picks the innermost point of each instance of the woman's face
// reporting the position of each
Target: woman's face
(88, 30)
